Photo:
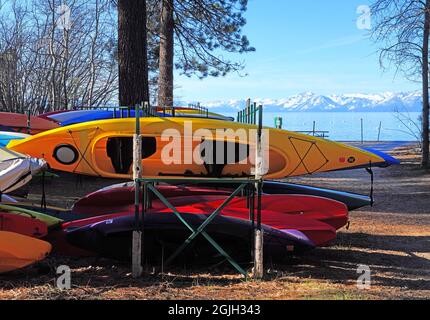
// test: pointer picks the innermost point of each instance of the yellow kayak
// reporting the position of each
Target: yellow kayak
(18, 251)
(170, 147)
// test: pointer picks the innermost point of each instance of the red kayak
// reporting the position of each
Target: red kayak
(23, 225)
(321, 234)
(331, 212)
(110, 200)
(18, 122)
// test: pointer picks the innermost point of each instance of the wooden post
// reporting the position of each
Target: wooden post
(258, 232)
(137, 174)
(29, 121)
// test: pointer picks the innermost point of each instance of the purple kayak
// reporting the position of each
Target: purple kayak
(164, 233)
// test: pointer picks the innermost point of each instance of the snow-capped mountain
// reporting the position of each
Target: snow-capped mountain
(310, 102)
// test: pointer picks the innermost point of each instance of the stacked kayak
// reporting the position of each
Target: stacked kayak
(318, 218)
(16, 169)
(21, 231)
(124, 193)
(18, 251)
(112, 238)
(104, 149)
(28, 226)
(68, 118)
(295, 218)
(19, 123)
(6, 137)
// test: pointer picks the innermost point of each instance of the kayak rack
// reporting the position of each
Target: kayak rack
(252, 187)
(147, 110)
(145, 188)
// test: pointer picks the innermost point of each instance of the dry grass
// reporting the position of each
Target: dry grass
(393, 238)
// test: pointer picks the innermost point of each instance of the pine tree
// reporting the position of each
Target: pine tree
(132, 52)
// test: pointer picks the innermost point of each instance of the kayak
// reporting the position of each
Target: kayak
(123, 193)
(318, 218)
(6, 137)
(121, 199)
(324, 210)
(23, 225)
(16, 169)
(320, 233)
(329, 211)
(96, 115)
(49, 115)
(104, 149)
(50, 221)
(163, 233)
(19, 123)
(18, 251)
(111, 200)
(353, 201)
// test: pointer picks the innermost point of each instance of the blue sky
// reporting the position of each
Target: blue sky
(306, 45)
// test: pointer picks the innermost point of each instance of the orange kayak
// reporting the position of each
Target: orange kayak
(18, 251)
(18, 122)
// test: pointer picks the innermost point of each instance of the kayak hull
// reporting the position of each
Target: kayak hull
(26, 226)
(19, 123)
(164, 233)
(19, 251)
(103, 148)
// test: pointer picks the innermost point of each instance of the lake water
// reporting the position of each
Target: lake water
(346, 126)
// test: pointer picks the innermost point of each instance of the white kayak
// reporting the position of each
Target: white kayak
(16, 169)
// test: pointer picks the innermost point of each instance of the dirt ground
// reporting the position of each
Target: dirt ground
(392, 238)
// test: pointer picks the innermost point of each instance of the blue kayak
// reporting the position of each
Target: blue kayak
(6, 137)
(389, 160)
(94, 115)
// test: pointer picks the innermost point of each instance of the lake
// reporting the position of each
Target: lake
(346, 126)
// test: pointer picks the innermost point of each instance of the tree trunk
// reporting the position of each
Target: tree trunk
(425, 75)
(165, 81)
(132, 52)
